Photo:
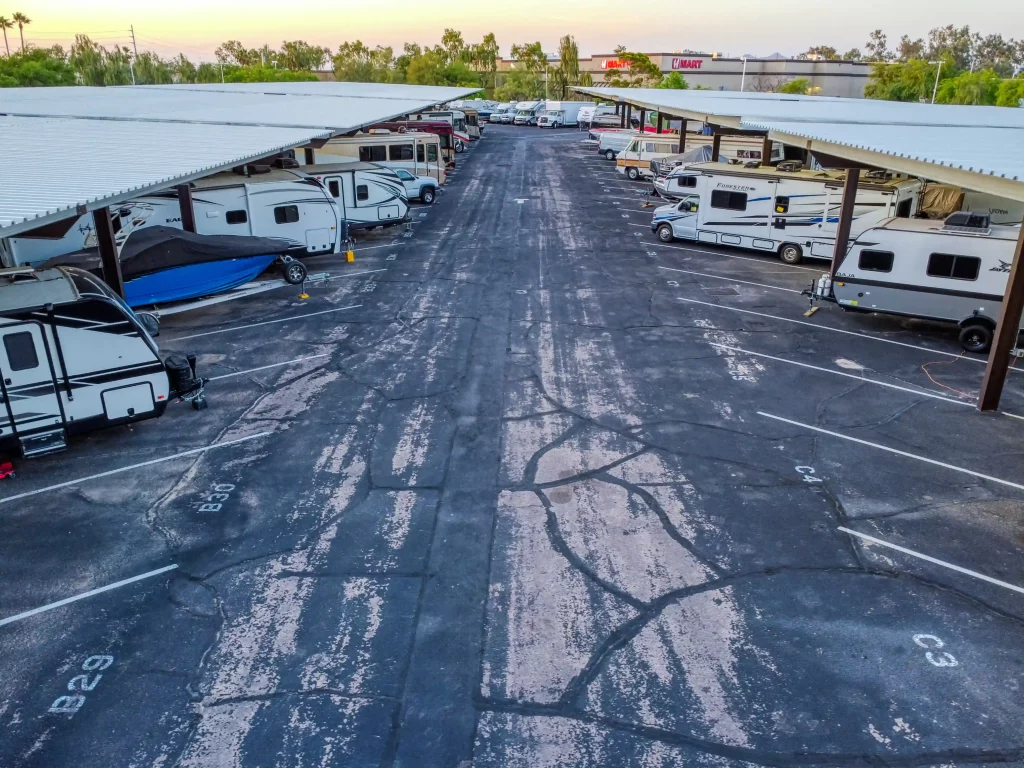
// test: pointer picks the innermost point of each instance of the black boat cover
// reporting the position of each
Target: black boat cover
(154, 249)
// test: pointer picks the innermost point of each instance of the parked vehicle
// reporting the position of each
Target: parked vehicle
(561, 114)
(954, 271)
(635, 159)
(587, 114)
(499, 112)
(473, 125)
(672, 186)
(611, 120)
(370, 195)
(793, 213)
(611, 141)
(268, 203)
(528, 112)
(415, 151)
(738, 150)
(163, 264)
(455, 118)
(422, 188)
(509, 115)
(74, 358)
(441, 129)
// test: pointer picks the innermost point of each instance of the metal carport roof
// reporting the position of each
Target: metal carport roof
(439, 93)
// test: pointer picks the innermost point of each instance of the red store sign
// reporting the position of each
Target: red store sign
(687, 63)
(614, 64)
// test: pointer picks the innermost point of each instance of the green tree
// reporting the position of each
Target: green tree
(300, 55)
(951, 42)
(799, 85)
(638, 71)
(209, 73)
(911, 80)
(453, 47)
(910, 49)
(520, 85)
(357, 63)
(150, 69)
(567, 71)
(822, 52)
(184, 70)
(1011, 93)
(877, 47)
(970, 88)
(673, 81)
(484, 58)
(400, 72)
(36, 67)
(233, 52)
(21, 20)
(262, 74)
(6, 24)
(853, 54)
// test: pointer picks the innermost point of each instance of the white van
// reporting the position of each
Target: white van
(793, 213)
(635, 159)
(611, 141)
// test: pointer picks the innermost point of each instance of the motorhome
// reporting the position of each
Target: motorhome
(793, 213)
(587, 114)
(561, 114)
(455, 118)
(369, 195)
(499, 112)
(415, 151)
(954, 271)
(74, 358)
(473, 125)
(635, 159)
(738, 150)
(441, 129)
(528, 112)
(282, 203)
(508, 115)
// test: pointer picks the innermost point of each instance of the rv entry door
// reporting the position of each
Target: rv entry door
(29, 385)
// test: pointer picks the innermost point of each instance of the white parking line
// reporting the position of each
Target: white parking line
(265, 322)
(90, 593)
(930, 559)
(730, 279)
(759, 260)
(344, 275)
(130, 467)
(371, 247)
(265, 367)
(926, 460)
(923, 393)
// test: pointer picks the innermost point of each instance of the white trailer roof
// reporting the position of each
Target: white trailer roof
(980, 148)
(438, 93)
(62, 168)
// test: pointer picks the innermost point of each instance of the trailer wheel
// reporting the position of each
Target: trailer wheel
(427, 196)
(294, 272)
(460, 147)
(976, 337)
(665, 233)
(791, 253)
(632, 174)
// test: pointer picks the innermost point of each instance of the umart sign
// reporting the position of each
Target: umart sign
(614, 64)
(687, 63)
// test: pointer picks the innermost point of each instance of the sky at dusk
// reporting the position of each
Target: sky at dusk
(732, 27)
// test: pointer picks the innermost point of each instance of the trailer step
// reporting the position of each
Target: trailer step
(42, 443)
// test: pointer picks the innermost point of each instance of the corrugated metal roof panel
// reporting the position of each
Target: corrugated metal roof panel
(438, 94)
(59, 165)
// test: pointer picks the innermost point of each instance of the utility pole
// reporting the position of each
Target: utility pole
(938, 72)
(221, 70)
(134, 45)
(743, 77)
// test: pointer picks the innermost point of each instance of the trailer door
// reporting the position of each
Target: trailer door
(29, 383)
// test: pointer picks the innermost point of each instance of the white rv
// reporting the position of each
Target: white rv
(419, 153)
(455, 118)
(737, 150)
(561, 114)
(587, 114)
(369, 195)
(499, 112)
(793, 213)
(75, 358)
(611, 141)
(635, 159)
(528, 112)
(279, 203)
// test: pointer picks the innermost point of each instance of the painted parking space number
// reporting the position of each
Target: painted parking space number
(214, 501)
(808, 474)
(935, 657)
(80, 685)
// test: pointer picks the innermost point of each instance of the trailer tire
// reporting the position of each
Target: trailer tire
(427, 195)
(632, 173)
(609, 155)
(791, 253)
(976, 337)
(294, 272)
(665, 233)
(460, 146)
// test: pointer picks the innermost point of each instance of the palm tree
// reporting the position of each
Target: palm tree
(6, 24)
(21, 20)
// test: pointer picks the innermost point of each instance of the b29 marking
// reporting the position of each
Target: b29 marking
(81, 685)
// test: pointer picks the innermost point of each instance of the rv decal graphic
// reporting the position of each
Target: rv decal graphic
(1004, 266)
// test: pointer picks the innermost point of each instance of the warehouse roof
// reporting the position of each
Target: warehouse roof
(979, 148)
(440, 94)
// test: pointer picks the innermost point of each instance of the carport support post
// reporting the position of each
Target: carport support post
(643, 119)
(682, 136)
(622, 116)
(188, 213)
(845, 219)
(716, 147)
(659, 123)
(766, 151)
(1007, 330)
(310, 155)
(108, 251)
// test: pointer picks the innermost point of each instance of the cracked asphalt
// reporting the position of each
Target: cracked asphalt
(534, 491)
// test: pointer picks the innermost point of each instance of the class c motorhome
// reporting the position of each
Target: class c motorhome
(528, 112)
(793, 213)
(587, 114)
(635, 159)
(954, 271)
(75, 358)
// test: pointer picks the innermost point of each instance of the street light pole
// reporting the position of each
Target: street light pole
(938, 72)
(743, 77)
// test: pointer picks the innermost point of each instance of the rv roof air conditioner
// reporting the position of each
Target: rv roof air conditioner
(968, 223)
(790, 166)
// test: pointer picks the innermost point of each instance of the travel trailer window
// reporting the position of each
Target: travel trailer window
(21, 351)
(374, 154)
(431, 153)
(334, 188)
(875, 261)
(953, 267)
(400, 151)
(731, 201)
(362, 192)
(286, 214)
(782, 205)
(236, 217)
(687, 181)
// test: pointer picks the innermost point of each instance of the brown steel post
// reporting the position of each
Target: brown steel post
(108, 251)
(643, 119)
(629, 115)
(1007, 330)
(682, 136)
(766, 151)
(310, 155)
(716, 147)
(845, 219)
(188, 213)
(622, 117)
(659, 122)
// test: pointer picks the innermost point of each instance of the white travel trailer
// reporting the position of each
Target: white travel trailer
(954, 271)
(793, 213)
(455, 118)
(370, 196)
(75, 358)
(528, 112)
(635, 159)
(561, 114)
(419, 153)
(279, 203)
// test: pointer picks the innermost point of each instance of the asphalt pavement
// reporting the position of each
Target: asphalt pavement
(523, 487)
